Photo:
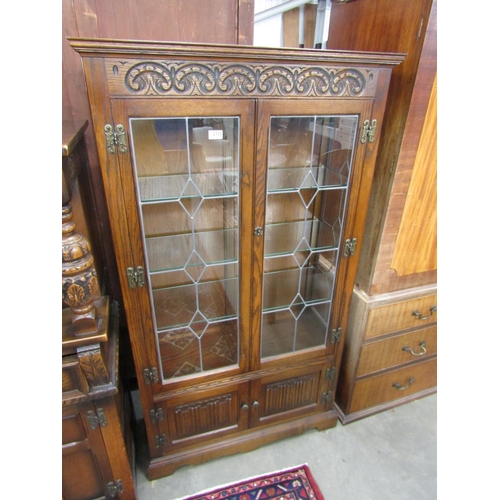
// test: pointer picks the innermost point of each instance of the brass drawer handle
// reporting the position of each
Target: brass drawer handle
(403, 387)
(432, 310)
(422, 346)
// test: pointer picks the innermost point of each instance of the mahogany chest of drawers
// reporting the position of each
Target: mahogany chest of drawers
(390, 354)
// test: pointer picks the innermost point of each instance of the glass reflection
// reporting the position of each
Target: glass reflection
(309, 166)
(187, 172)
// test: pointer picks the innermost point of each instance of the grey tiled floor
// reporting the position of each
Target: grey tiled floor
(388, 456)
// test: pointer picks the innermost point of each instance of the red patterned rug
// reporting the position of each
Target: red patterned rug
(291, 484)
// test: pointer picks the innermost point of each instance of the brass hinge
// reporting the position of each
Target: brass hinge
(135, 276)
(115, 488)
(336, 334)
(330, 373)
(156, 416)
(150, 375)
(96, 420)
(350, 247)
(115, 139)
(160, 441)
(368, 132)
(326, 397)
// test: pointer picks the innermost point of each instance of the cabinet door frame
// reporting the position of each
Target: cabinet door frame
(304, 386)
(92, 442)
(196, 407)
(123, 110)
(358, 189)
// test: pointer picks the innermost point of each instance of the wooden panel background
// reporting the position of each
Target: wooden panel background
(414, 263)
(415, 250)
(217, 21)
(291, 26)
(393, 26)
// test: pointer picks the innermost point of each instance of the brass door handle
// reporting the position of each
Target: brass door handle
(432, 310)
(422, 346)
(244, 407)
(255, 404)
(403, 387)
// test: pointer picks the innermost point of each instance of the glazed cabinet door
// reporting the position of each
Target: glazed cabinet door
(309, 163)
(187, 178)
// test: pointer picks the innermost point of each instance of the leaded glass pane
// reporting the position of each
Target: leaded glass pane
(187, 172)
(309, 165)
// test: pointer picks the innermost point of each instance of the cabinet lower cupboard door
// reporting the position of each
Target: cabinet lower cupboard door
(237, 181)
(203, 415)
(86, 470)
(297, 392)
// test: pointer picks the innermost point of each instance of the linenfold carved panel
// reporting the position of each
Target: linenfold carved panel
(205, 415)
(292, 393)
(167, 78)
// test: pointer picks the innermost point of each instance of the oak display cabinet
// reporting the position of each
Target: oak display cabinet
(237, 181)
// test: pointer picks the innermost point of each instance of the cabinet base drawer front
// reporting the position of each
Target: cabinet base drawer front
(80, 475)
(347, 418)
(73, 429)
(73, 380)
(402, 315)
(394, 385)
(397, 350)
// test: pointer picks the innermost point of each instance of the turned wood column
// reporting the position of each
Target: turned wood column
(79, 279)
(80, 286)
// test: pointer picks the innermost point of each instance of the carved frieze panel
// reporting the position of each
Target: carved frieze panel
(229, 79)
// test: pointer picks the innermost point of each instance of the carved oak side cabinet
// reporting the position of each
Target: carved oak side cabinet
(237, 180)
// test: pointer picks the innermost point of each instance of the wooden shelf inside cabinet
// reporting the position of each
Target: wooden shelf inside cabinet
(234, 176)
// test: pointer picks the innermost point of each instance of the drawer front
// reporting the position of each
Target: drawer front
(401, 316)
(73, 381)
(73, 429)
(394, 385)
(394, 351)
(85, 464)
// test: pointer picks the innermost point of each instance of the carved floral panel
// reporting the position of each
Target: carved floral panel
(188, 79)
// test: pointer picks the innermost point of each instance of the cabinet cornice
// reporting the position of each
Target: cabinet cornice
(120, 48)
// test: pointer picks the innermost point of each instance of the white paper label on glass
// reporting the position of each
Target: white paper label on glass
(215, 134)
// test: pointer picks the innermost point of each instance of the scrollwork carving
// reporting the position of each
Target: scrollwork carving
(148, 78)
(230, 79)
